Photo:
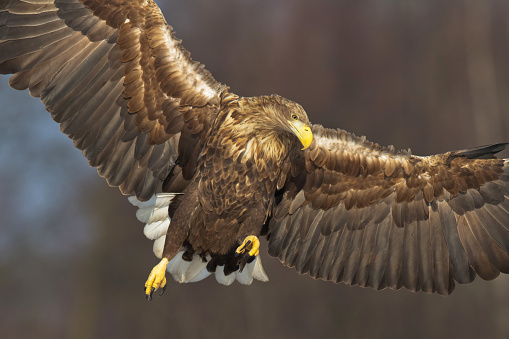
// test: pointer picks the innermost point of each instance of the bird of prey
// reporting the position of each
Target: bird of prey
(226, 169)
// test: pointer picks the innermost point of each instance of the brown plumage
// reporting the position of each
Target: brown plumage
(343, 209)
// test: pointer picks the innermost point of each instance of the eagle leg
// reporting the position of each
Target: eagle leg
(250, 244)
(156, 279)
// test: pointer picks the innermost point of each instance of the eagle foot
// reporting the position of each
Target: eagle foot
(251, 244)
(156, 279)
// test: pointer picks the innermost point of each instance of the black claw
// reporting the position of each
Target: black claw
(163, 290)
(246, 245)
(149, 296)
(243, 249)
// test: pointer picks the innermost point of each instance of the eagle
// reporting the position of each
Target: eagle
(212, 172)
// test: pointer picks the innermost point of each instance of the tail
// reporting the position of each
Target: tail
(154, 212)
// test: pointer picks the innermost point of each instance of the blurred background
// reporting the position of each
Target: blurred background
(428, 75)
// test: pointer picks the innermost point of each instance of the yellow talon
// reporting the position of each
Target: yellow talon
(156, 279)
(252, 243)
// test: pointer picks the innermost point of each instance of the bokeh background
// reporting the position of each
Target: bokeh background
(430, 75)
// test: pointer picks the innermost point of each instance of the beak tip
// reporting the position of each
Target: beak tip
(304, 133)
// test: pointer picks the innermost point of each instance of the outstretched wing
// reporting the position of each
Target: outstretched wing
(353, 212)
(113, 75)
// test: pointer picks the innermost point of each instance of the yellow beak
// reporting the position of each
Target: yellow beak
(303, 132)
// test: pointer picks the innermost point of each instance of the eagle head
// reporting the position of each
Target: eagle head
(283, 116)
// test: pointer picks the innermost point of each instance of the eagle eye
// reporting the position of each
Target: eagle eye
(295, 117)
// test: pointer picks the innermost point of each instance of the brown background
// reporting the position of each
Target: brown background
(429, 75)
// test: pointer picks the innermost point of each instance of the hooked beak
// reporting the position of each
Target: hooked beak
(303, 132)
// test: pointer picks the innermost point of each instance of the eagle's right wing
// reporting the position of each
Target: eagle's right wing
(119, 83)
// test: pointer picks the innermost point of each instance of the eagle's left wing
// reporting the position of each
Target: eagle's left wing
(351, 211)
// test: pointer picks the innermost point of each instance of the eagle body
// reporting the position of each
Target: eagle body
(211, 171)
(234, 185)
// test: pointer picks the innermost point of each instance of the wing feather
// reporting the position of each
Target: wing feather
(358, 213)
(439, 249)
(395, 257)
(425, 266)
(367, 255)
(353, 257)
(459, 261)
(410, 257)
(341, 251)
(309, 242)
(116, 79)
(379, 263)
(328, 256)
(498, 257)
(318, 256)
(476, 256)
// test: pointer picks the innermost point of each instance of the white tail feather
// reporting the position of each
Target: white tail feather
(258, 271)
(156, 229)
(224, 279)
(196, 269)
(142, 204)
(154, 212)
(159, 246)
(149, 215)
(154, 209)
(157, 200)
(246, 276)
(178, 268)
(200, 276)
